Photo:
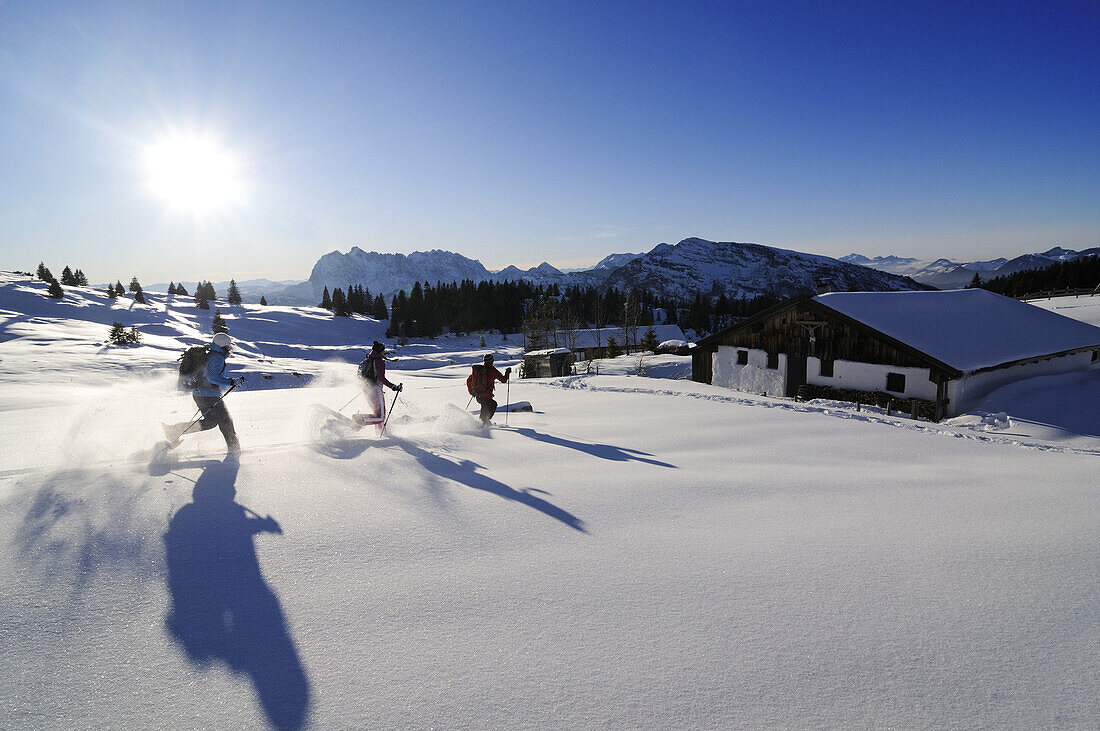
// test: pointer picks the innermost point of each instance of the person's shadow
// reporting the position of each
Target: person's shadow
(222, 609)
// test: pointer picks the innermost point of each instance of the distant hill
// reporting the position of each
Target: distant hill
(947, 274)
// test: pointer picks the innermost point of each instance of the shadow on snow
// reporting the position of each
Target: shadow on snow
(222, 608)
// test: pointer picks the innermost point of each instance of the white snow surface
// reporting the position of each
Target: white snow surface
(968, 329)
(637, 552)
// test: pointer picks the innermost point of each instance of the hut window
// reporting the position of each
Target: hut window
(1095, 355)
(826, 367)
(895, 382)
(742, 357)
(773, 361)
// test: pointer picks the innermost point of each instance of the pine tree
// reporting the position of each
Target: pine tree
(613, 349)
(380, 311)
(133, 337)
(67, 277)
(339, 303)
(55, 290)
(134, 286)
(119, 288)
(326, 300)
(181, 290)
(976, 282)
(171, 288)
(217, 325)
(111, 293)
(117, 334)
(263, 301)
(81, 280)
(649, 340)
(44, 273)
(200, 299)
(139, 295)
(234, 296)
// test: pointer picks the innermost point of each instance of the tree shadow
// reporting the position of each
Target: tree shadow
(603, 451)
(222, 608)
(466, 473)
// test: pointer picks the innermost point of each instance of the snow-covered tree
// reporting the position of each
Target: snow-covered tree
(217, 325)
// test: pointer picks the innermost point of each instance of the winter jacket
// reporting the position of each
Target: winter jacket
(214, 374)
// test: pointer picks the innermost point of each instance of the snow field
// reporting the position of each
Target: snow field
(637, 552)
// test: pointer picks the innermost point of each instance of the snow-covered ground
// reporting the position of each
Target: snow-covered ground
(637, 552)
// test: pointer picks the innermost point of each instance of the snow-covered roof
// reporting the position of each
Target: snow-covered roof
(967, 329)
(548, 351)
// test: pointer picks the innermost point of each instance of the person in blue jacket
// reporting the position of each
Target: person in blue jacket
(208, 397)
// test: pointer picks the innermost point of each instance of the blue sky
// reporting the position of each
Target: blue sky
(520, 132)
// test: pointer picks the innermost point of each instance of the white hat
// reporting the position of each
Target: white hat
(222, 340)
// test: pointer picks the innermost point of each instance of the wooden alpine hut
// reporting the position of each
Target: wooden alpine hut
(947, 350)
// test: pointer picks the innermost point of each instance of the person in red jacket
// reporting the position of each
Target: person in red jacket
(481, 384)
(372, 371)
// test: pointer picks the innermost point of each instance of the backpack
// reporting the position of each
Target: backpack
(367, 370)
(479, 382)
(193, 367)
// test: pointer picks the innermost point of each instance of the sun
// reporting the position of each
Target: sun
(193, 174)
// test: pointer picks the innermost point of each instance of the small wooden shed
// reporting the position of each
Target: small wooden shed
(547, 363)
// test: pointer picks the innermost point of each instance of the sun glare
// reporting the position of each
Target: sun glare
(193, 175)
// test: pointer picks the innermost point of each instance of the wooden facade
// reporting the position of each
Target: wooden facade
(803, 328)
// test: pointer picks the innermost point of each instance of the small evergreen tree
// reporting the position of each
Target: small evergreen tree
(234, 296)
(326, 300)
(613, 349)
(217, 325)
(117, 335)
(171, 288)
(976, 282)
(67, 277)
(55, 290)
(134, 286)
(44, 273)
(119, 288)
(111, 293)
(139, 295)
(81, 280)
(263, 301)
(200, 299)
(133, 337)
(181, 290)
(339, 303)
(380, 311)
(649, 340)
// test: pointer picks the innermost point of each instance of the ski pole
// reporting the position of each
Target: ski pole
(203, 414)
(468, 402)
(387, 419)
(507, 400)
(346, 405)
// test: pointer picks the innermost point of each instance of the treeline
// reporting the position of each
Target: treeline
(514, 306)
(357, 301)
(1082, 273)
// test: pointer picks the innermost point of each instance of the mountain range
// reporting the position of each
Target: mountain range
(947, 274)
(734, 269)
(670, 270)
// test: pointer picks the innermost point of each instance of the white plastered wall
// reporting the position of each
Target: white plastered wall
(871, 377)
(753, 377)
(968, 391)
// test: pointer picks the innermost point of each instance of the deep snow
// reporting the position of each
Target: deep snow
(638, 551)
